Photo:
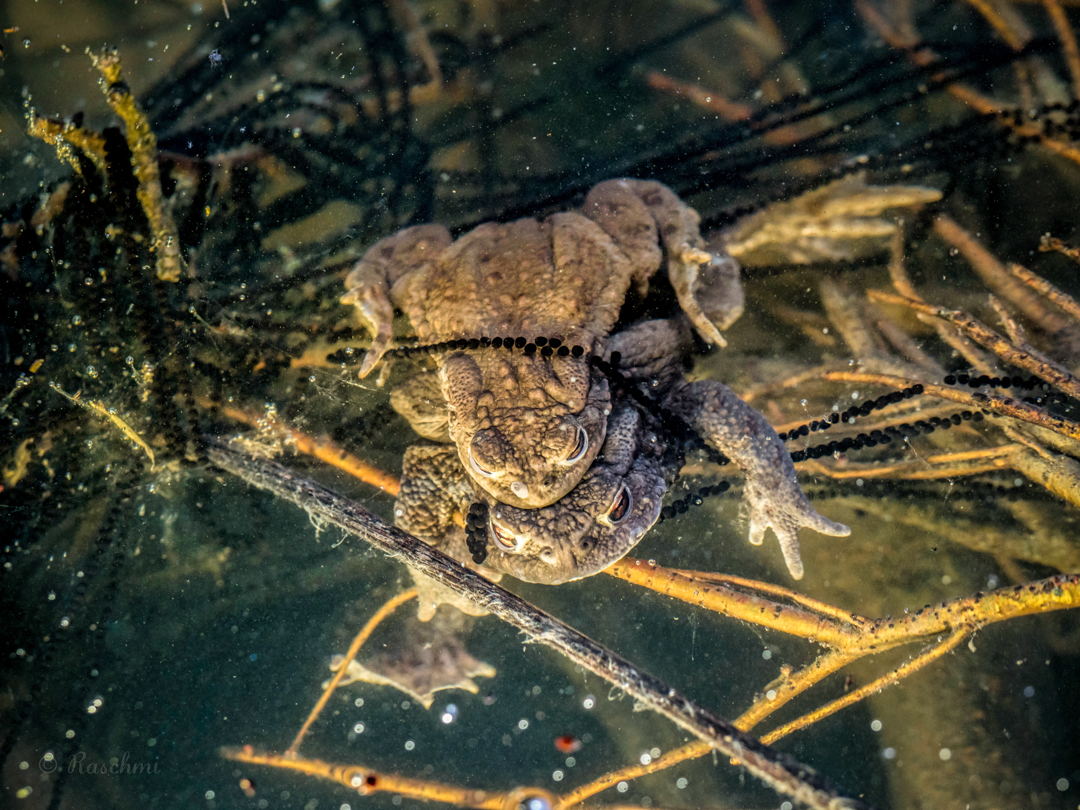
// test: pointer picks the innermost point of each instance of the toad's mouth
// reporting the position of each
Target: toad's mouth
(505, 539)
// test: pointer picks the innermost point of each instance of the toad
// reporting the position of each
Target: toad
(527, 426)
(581, 534)
(618, 499)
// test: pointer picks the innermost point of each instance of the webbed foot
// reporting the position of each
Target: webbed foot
(773, 496)
(785, 510)
(422, 659)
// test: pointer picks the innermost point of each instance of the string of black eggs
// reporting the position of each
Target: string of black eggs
(910, 429)
(547, 347)
(476, 531)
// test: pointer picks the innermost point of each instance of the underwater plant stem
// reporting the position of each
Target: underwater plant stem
(855, 695)
(1050, 244)
(776, 770)
(1009, 29)
(960, 618)
(964, 347)
(1064, 301)
(726, 601)
(368, 781)
(995, 276)
(808, 602)
(788, 688)
(927, 468)
(1006, 406)
(354, 648)
(142, 144)
(323, 448)
(975, 329)
(923, 56)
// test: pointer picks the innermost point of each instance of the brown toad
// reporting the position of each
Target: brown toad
(527, 427)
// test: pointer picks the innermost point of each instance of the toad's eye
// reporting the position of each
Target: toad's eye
(580, 448)
(620, 507)
(480, 468)
(505, 540)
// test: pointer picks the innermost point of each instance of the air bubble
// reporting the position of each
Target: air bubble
(588, 703)
(449, 713)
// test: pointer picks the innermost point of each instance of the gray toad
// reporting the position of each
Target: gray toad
(618, 499)
(581, 534)
(527, 427)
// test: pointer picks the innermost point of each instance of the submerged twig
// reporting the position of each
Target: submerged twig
(1006, 406)
(777, 770)
(142, 143)
(1032, 362)
(1052, 244)
(367, 781)
(354, 648)
(98, 407)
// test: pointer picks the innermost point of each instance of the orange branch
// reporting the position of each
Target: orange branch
(367, 781)
(354, 648)
(324, 448)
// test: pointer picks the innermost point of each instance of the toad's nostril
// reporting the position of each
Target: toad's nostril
(520, 489)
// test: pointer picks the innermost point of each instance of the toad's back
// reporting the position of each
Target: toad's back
(562, 277)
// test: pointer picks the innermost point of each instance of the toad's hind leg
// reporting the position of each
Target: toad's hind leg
(773, 495)
(433, 486)
(374, 284)
(707, 284)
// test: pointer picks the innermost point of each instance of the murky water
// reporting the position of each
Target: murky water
(158, 610)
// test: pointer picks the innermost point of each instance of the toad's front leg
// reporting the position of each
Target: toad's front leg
(637, 212)
(374, 284)
(772, 494)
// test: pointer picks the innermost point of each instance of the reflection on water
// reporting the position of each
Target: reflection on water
(158, 609)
